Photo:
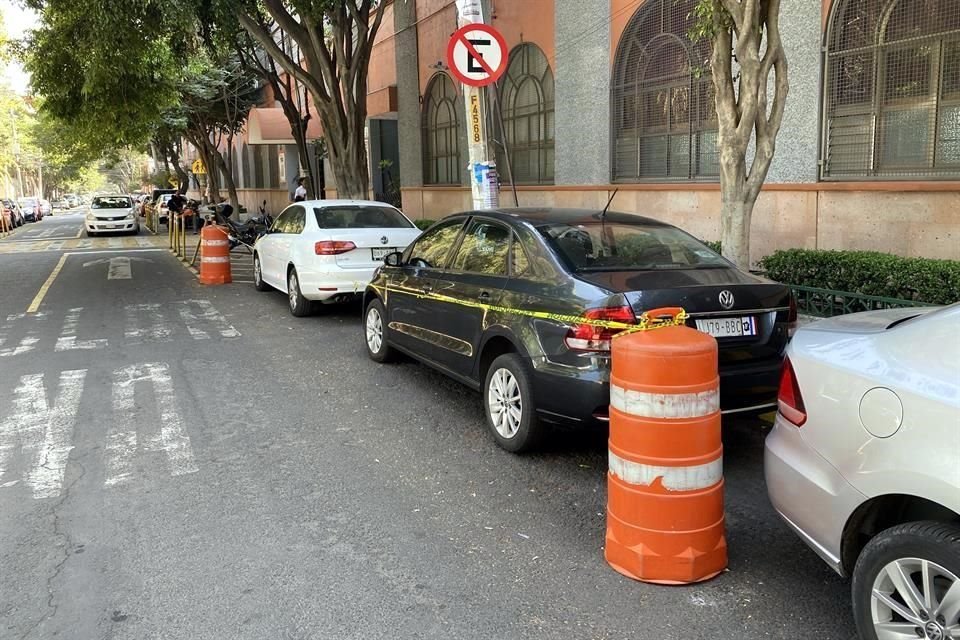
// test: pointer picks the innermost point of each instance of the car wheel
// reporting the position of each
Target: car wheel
(509, 404)
(374, 331)
(906, 583)
(258, 282)
(299, 306)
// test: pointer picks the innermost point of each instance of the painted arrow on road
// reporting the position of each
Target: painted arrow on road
(119, 266)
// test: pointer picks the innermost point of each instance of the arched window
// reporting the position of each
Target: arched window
(441, 132)
(892, 89)
(526, 102)
(664, 116)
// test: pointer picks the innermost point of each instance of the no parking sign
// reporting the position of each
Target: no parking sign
(477, 55)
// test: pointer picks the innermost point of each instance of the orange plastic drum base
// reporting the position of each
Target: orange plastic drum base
(669, 566)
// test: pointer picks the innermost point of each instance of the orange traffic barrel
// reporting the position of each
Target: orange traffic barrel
(214, 255)
(665, 483)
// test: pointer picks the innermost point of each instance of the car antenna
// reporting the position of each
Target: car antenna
(603, 214)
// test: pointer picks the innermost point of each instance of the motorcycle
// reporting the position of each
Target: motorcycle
(245, 233)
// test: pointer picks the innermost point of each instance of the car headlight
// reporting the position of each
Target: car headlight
(131, 214)
(91, 217)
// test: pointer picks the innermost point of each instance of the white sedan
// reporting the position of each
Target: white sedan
(111, 214)
(327, 250)
(864, 463)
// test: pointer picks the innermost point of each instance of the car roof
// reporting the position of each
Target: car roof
(343, 203)
(538, 216)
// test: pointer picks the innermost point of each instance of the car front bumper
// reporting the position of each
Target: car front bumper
(111, 226)
(808, 492)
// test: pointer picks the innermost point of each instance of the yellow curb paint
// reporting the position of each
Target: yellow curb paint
(46, 286)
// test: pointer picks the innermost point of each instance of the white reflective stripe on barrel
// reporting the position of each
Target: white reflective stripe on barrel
(215, 259)
(664, 405)
(699, 476)
(215, 243)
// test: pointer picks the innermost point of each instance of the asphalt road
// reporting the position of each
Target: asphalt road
(179, 461)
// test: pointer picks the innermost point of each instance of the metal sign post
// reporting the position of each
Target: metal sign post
(477, 56)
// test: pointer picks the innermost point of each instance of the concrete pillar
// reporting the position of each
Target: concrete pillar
(408, 94)
(798, 144)
(582, 75)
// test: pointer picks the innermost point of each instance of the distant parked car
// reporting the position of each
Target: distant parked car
(59, 205)
(72, 200)
(864, 463)
(45, 207)
(327, 250)
(32, 211)
(12, 213)
(112, 214)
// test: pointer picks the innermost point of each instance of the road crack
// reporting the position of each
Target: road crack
(66, 545)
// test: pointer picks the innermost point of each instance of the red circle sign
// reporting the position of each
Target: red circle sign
(477, 55)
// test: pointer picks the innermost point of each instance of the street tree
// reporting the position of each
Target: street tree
(749, 71)
(333, 40)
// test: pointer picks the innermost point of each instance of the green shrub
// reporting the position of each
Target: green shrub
(867, 272)
(423, 224)
(713, 244)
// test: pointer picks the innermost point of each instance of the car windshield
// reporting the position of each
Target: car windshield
(599, 246)
(114, 202)
(360, 217)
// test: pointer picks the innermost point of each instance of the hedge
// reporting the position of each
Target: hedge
(423, 224)
(867, 272)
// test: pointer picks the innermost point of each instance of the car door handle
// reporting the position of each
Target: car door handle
(426, 288)
(484, 295)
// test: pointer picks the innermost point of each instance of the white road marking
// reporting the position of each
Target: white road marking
(85, 244)
(157, 329)
(26, 344)
(196, 313)
(122, 441)
(143, 242)
(68, 336)
(114, 243)
(42, 432)
(119, 269)
(54, 246)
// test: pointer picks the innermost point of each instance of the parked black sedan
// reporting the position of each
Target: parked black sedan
(433, 302)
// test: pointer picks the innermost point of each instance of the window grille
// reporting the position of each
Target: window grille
(892, 95)
(664, 115)
(441, 132)
(526, 101)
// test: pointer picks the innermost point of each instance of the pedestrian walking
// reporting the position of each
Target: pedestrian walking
(300, 194)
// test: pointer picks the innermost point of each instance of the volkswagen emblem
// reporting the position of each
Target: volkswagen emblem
(933, 631)
(726, 299)
(384, 239)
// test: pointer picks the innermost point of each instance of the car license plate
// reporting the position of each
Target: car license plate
(733, 327)
(379, 253)
(114, 226)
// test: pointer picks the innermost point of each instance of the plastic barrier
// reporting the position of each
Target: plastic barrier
(214, 256)
(665, 484)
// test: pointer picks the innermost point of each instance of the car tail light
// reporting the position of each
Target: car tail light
(333, 247)
(789, 400)
(792, 322)
(589, 337)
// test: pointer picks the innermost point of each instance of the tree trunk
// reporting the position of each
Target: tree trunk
(228, 179)
(349, 167)
(735, 216)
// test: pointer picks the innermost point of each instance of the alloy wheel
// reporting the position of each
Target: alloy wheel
(916, 598)
(506, 403)
(257, 278)
(293, 289)
(374, 326)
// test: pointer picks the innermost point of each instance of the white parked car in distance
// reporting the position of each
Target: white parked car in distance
(864, 463)
(327, 250)
(111, 214)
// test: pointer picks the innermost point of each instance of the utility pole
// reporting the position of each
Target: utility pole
(482, 169)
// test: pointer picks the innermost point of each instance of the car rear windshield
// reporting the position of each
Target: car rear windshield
(360, 217)
(118, 202)
(628, 247)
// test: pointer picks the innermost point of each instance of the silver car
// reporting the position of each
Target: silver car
(864, 463)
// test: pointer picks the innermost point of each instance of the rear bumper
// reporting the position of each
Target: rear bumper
(333, 283)
(808, 492)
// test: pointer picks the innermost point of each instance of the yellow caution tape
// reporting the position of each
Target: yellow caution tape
(644, 322)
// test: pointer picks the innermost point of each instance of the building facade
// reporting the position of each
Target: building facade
(613, 95)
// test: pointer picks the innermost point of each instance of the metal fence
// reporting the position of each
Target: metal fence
(826, 303)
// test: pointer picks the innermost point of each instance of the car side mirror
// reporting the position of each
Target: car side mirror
(394, 259)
